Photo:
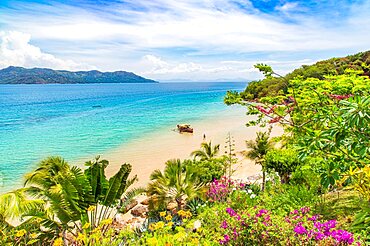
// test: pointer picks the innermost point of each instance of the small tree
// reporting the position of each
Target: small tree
(258, 149)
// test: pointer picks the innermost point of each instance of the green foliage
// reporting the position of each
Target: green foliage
(178, 183)
(285, 198)
(326, 118)
(206, 152)
(282, 161)
(258, 149)
(208, 170)
(61, 198)
(64, 189)
(274, 86)
(361, 224)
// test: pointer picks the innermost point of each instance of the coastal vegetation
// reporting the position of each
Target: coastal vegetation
(315, 188)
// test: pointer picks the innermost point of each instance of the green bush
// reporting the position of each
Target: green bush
(282, 161)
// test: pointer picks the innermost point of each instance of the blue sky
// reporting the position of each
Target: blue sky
(171, 40)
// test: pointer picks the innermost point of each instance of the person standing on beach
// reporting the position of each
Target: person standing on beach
(204, 137)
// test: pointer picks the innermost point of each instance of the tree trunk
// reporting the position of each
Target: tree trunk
(263, 180)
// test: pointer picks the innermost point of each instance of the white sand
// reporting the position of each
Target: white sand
(152, 151)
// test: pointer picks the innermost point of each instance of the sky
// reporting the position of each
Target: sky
(180, 40)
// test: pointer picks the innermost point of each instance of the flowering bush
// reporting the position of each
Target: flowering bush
(256, 226)
(220, 190)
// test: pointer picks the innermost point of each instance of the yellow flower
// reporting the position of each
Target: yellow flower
(21, 233)
(91, 208)
(195, 241)
(96, 230)
(106, 222)
(170, 224)
(185, 214)
(152, 241)
(169, 217)
(86, 226)
(159, 225)
(188, 214)
(58, 242)
(81, 237)
(162, 214)
(33, 235)
(180, 236)
(152, 227)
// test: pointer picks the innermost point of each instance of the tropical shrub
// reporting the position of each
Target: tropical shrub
(220, 190)
(282, 161)
(258, 226)
(325, 117)
(274, 86)
(209, 170)
(62, 198)
(284, 198)
(178, 183)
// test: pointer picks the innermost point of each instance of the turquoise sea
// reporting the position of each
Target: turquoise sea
(80, 120)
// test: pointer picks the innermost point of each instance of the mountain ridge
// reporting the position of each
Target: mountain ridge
(21, 75)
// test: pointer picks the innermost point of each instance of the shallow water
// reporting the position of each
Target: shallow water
(81, 120)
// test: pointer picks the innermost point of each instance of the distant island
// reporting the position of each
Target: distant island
(20, 75)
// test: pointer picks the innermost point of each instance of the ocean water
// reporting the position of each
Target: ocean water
(82, 120)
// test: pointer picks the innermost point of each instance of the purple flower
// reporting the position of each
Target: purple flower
(261, 212)
(319, 236)
(299, 229)
(231, 212)
(225, 240)
(342, 236)
(224, 224)
(305, 210)
(313, 218)
(330, 224)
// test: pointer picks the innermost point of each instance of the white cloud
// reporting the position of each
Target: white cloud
(287, 6)
(229, 70)
(116, 37)
(16, 50)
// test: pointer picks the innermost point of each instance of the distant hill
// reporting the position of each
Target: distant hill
(334, 66)
(20, 75)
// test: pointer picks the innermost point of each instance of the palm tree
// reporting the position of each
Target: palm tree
(206, 151)
(112, 194)
(61, 195)
(65, 191)
(179, 182)
(258, 149)
(15, 204)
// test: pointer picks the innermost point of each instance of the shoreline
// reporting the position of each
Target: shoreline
(150, 152)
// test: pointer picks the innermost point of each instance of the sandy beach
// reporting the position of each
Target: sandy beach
(153, 150)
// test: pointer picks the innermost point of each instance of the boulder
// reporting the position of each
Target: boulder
(146, 201)
(139, 210)
(131, 205)
(171, 206)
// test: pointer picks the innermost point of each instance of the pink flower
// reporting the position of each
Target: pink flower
(225, 240)
(299, 229)
(224, 224)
